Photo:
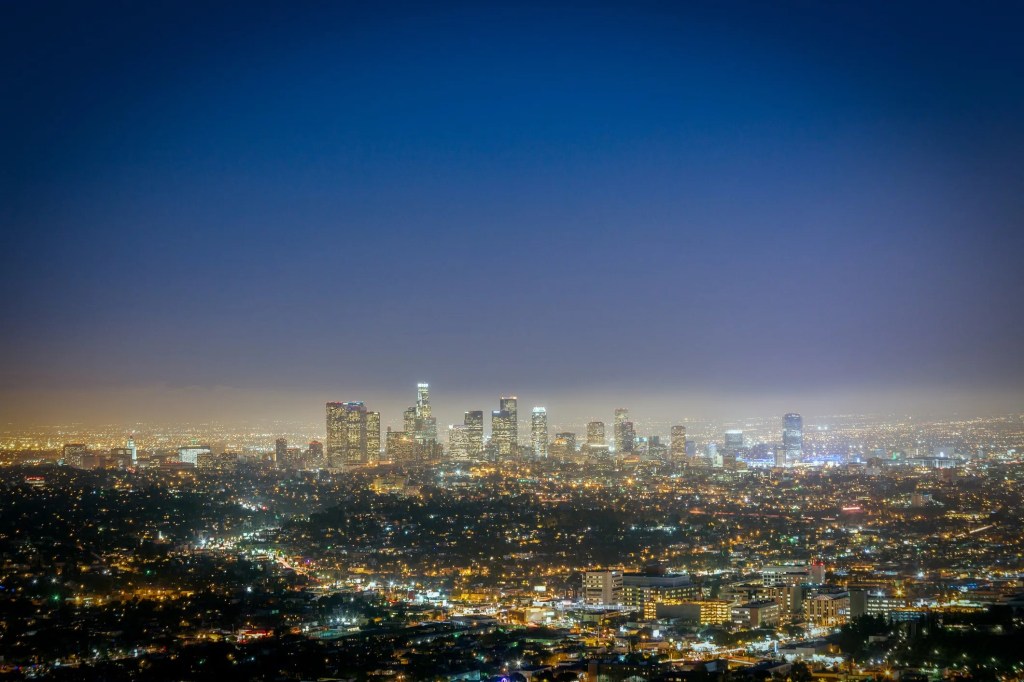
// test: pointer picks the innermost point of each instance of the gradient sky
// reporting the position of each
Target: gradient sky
(815, 205)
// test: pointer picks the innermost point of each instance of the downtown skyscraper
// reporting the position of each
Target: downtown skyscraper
(793, 438)
(539, 432)
(353, 434)
(505, 428)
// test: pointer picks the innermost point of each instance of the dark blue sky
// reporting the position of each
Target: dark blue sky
(594, 202)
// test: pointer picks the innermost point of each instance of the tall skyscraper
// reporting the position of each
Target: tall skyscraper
(510, 404)
(280, 451)
(426, 425)
(419, 419)
(595, 434)
(677, 445)
(539, 432)
(130, 445)
(502, 434)
(619, 431)
(348, 435)
(458, 443)
(401, 447)
(733, 440)
(315, 455)
(474, 423)
(372, 437)
(793, 437)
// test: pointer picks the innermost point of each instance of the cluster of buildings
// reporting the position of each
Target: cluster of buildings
(354, 438)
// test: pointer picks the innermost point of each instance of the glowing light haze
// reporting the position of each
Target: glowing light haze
(245, 210)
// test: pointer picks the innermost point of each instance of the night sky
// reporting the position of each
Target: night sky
(244, 210)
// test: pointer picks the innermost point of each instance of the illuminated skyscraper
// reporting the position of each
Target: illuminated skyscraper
(458, 443)
(419, 419)
(677, 445)
(315, 455)
(347, 434)
(372, 437)
(595, 434)
(280, 451)
(130, 445)
(510, 404)
(564, 446)
(426, 425)
(401, 447)
(474, 423)
(501, 434)
(793, 437)
(619, 431)
(539, 432)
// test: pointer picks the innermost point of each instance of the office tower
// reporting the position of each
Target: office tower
(372, 437)
(474, 423)
(401, 447)
(510, 404)
(130, 445)
(564, 446)
(677, 444)
(713, 456)
(409, 420)
(347, 434)
(501, 433)
(458, 443)
(626, 438)
(74, 453)
(733, 439)
(539, 432)
(793, 437)
(419, 419)
(426, 425)
(619, 430)
(315, 455)
(595, 434)
(280, 451)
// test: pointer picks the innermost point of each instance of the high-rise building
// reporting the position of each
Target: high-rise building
(315, 455)
(510, 404)
(280, 451)
(474, 423)
(401, 447)
(502, 434)
(564, 446)
(458, 443)
(626, 438)
(677, 444)
(539, 432)
(619, 436)
(733, 439)
(348, 436)
(130, 445)
(419, 419)
(595, 433)
(793, 437)
(372, 437)
(426, 425)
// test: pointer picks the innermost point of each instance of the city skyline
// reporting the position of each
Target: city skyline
(253, 212)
